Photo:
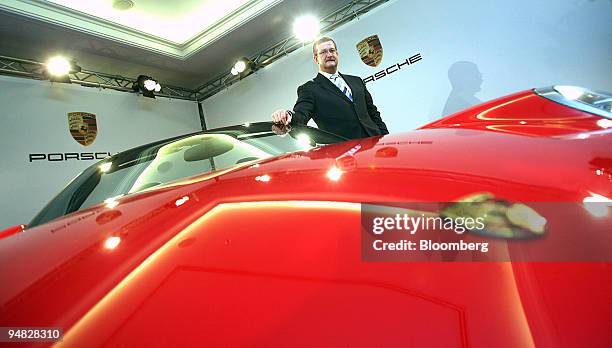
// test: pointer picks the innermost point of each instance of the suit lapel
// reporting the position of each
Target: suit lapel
(327, 84)
(351, 86)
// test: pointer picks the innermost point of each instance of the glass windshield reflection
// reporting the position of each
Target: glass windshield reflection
(167, 161)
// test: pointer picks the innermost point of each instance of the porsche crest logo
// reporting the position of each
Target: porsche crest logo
(370, 50)
(83, 127)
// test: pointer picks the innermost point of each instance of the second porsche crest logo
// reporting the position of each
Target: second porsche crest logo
(370, 50)
(83, 127)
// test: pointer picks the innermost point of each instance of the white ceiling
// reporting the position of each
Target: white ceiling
(175, 21)
(179, 42)
(174, 28)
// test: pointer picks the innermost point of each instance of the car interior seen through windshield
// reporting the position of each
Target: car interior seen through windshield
(169, 160)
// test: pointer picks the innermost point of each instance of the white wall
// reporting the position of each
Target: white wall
(515, 45)
(33, 119)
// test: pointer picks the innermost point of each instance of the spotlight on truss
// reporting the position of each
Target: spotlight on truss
(58, 69)
(242, 67)
(147, 85)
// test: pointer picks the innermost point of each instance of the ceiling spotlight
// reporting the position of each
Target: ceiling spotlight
(147, 85)
(240, 66)
(243, 66)
(58, 68)
(306, 28)
(150, 84)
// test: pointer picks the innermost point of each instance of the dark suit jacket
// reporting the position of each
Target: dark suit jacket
(334, 112)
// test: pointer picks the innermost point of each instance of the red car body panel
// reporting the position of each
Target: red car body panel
(524, 113)
(12, 230)
(232, 260)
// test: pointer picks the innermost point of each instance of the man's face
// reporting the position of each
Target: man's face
(327, 57)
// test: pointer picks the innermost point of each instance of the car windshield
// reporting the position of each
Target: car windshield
(173, 159)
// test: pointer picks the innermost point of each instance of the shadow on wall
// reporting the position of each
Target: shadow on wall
(465, 80)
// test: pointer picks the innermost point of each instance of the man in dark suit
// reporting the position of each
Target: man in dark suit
(338, 103)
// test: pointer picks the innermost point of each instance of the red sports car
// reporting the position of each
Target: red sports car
(253, 236)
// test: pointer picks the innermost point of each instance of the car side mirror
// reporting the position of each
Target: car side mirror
(12, 230)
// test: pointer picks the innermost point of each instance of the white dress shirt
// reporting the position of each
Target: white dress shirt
(328, 75)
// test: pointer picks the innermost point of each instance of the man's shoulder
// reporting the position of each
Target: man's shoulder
(351, 77)
(307, 84)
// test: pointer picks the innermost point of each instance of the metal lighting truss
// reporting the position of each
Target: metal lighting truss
(36, 70)
(286, 46)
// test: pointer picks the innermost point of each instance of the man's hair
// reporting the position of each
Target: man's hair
(322, 40)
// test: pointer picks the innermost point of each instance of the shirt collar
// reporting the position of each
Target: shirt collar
(328, 75)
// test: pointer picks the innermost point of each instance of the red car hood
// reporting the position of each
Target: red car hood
(54, 274)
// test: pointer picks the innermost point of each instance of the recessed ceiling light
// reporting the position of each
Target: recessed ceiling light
(123, 5)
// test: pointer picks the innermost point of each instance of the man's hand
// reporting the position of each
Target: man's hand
(281, 116)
